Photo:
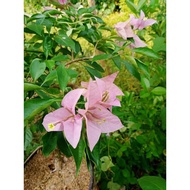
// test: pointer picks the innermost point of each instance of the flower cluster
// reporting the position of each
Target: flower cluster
(126, 29)
(99, 95)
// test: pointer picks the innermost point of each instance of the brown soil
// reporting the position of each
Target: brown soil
(55, 172)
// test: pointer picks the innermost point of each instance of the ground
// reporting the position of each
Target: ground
(55, 172)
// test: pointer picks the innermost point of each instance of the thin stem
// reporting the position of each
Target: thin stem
(91, 185)
(77, 60)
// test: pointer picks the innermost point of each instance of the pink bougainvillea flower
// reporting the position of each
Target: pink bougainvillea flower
(102, 91)
(137, 42)
(99, 120)
(140, 23)
(65, 119)
(62, 1)
(124, 29)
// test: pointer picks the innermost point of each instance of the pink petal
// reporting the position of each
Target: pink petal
(99, 120)
(146, 23)
(93, 133)
(142, 15)
(71, 98)
(93, 94)
(62, 1)
(84, 84)
(138, 42)
(109, 91)
(111, 103)
(103, 119)
(72, 130)
(110, 78)
(54, 120)
(135, 23)
(124, 30)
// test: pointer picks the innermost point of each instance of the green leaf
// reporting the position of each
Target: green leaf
(72, 73)
(94, 155)
(113, 186)
(152, 183)
(106, 163)
(132, 70)
(49, 93)
(47, 45)
(36, 28)
(30, 86)
(33, 107)
(145, 83)
(35, 17)
(37, 68)
(60, 58)
(27, 137)
(101, 57)
(143, 67)
(146, 51)
(95, 65)
(159, 44)
(93, 72)
(51, 76)
(163, 118)
(82, 11)
(49, 142)
(63, 145)
(65, 41)
(159, 90)
(78, 153)
(141, 4)
(63, 76)
(50, 64)
(140, 139)
(131, 60)
(52, 12)
(126, 173)
(74, 1)
(117, 60)
(144, 94)
(132, 6)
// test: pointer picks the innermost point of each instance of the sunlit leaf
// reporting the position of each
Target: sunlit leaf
(37, 68)
(63, 76)
(47, 45)
(101, 57)
(132, 69)
(152, 183)
(33, 107)
(146, 51)
(141, 4)
(36, 28)
(65, 41)
(159, 90)
(30, 86)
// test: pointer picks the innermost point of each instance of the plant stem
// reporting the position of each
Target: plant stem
(77, 60)
(91, 185)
